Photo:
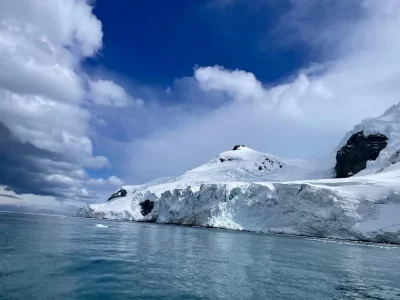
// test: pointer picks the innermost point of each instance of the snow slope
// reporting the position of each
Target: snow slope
(244, 189)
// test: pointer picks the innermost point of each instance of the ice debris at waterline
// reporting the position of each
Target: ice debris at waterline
(101, 226)
(244, 189)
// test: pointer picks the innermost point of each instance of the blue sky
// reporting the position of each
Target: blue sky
(156, 42)
(97, 94)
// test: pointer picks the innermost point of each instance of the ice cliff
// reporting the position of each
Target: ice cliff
(244, 189)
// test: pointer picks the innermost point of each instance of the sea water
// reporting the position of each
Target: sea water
(49, 257)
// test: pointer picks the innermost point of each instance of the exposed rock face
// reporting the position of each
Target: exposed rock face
(146, 207)
(118, 194)
(225, 159)
(237, 147)
(352, 157)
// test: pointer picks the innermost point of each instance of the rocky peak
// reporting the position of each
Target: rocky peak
(237, 147)
(118, 194)
(353, 156)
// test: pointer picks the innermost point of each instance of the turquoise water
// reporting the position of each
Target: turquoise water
(43, 257)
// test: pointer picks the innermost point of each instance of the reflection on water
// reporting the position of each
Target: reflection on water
(52, 258)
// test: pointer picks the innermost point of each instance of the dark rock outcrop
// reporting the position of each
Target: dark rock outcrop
(352, 157)
(146, 207)
(225, 159)
(118, 194)
(237, 147)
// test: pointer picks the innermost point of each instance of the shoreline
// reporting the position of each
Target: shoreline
(303, 236)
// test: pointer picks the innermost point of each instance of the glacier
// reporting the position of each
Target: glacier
(244, 189)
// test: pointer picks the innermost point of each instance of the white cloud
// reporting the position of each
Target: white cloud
(112, 180)
(55, 24)
(40, 91)
(43, 96)
(238, 84)
(60, 179)
(106, 92)
(38, 204)
(41, 44)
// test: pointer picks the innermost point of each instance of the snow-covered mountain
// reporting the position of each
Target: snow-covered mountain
(245, 189)
(245, 164)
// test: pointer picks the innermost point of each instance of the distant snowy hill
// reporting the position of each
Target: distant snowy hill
(245, 164)
(245, 189)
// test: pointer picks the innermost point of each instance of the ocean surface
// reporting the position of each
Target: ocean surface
(48, 257)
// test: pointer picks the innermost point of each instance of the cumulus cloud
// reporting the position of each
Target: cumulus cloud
(51, 24)
(106, 92)
(45, 118)
(238, 84)
(356, 76)
(112, 180)
(10, 201)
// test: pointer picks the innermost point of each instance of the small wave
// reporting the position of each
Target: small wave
(30, 213)
(101, 226)
(353, 243)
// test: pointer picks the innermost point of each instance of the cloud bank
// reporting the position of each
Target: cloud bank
(46, 125)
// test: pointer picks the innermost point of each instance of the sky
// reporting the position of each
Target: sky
(98, 94)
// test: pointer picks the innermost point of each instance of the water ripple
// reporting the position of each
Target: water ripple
(67, 258)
